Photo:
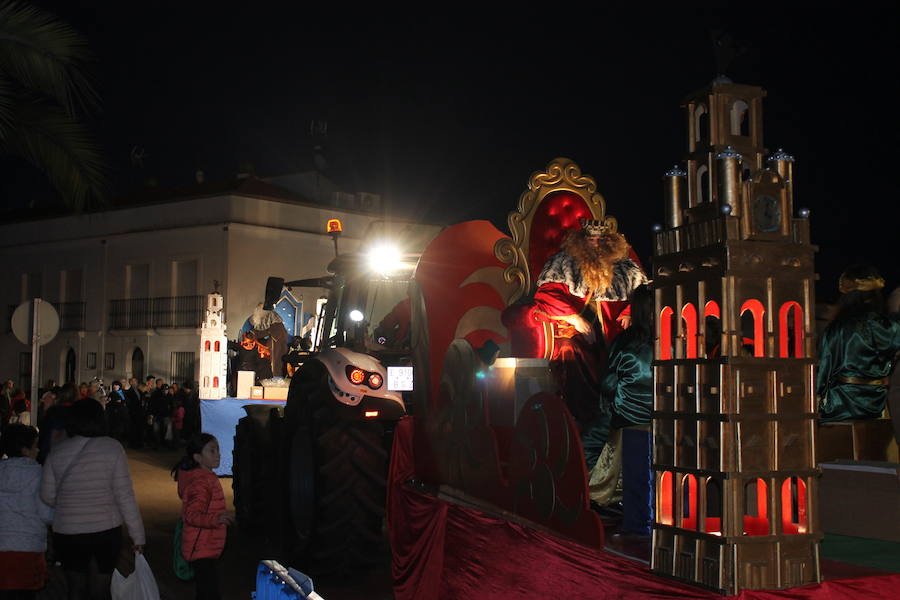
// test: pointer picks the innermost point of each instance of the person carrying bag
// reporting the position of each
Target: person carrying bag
(86, 480)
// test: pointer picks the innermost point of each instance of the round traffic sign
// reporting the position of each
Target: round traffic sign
(23, 318)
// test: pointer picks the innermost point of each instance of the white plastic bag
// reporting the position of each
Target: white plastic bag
(140, 585)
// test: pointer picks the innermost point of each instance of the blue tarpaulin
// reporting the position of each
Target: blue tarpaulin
(220, 418)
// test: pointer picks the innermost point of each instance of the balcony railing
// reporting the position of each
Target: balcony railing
(159, 313)
(71, 315)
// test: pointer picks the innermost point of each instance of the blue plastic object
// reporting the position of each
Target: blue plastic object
(637, 481)
(275, 582)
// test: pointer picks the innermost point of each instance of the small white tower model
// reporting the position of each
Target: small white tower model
(213, 350)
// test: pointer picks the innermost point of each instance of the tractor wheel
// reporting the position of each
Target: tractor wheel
(351, 473)
(242, 472)
(309, 388)
(254, 469)
(336, 479)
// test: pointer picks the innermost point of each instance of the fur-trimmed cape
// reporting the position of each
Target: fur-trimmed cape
(563, 268)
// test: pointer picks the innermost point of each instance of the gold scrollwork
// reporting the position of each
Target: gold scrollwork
(561, 174)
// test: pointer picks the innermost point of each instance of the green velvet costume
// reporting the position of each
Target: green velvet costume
(627, 391)
(854, 352)
(628, 385)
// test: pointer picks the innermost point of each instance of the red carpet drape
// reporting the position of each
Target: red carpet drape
(443, 551)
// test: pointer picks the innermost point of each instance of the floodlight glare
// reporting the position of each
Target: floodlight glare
(385, 259)
(356, 316)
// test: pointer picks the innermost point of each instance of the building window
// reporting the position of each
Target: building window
(109, 361)
(32, 286)
(689, 322)
(790, 330)
(740, 119)
(689, 502)
(701, 123)
(753, 327)
(664, 499)
(73, 290)
(713, 506)
(712, 330)
(185, 278)
(137, 281)
(218, 346)
(665, 333)
(756, 519)
(793, 506)
(702, 184)
(206, 346)
(182, 366)
(90, 361)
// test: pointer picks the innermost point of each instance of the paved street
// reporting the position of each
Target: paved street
(160, 508)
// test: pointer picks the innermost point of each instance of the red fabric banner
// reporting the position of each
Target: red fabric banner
(443, 551)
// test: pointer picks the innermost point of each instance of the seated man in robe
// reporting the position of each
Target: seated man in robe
(583, 289)
(857, 350)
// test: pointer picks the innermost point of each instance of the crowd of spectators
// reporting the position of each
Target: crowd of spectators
(151, 413)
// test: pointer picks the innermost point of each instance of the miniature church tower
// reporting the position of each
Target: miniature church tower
(213, 350)
(734, 417)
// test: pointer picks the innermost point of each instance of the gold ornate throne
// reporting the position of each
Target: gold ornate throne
(555, 201)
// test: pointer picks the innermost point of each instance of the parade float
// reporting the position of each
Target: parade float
(488, 490)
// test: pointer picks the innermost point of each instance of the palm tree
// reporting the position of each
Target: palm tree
(43, 88)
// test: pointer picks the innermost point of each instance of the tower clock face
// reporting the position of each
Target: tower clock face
(766, 213)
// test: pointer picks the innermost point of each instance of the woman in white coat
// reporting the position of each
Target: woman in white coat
(23, 516)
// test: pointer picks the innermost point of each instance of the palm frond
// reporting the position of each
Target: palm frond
(45, 54)
(51, 140)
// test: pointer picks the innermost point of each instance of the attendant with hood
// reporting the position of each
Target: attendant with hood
(857, 350)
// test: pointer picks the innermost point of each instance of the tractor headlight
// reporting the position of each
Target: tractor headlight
(385, 259)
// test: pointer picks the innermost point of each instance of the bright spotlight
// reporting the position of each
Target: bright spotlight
(356, 315)
(385, 259)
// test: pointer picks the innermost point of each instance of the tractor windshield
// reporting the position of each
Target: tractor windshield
(388, 309)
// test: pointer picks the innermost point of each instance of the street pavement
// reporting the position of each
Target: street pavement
(160, 507)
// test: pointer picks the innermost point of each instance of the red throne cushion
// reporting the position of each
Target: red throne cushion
(557, 213)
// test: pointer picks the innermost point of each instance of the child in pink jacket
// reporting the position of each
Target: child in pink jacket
(205, 516)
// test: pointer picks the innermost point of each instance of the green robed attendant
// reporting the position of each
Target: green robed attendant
(857, 350)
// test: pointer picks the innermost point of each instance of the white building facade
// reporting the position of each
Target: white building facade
(131, 284)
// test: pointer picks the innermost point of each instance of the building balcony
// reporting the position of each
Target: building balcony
(157, 313)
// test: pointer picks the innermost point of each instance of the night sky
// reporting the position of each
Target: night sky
(447, 114)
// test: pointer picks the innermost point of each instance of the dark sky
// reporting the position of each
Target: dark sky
(447, 114)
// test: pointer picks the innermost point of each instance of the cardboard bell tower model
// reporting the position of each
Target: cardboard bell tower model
(734, 417)
(213, 350)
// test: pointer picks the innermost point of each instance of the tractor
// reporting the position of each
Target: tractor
(312, 478)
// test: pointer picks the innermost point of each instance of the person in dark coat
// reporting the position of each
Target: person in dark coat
(117, 417)
(191, 404)
(53, 423)
(159, 410)
(137, 417)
